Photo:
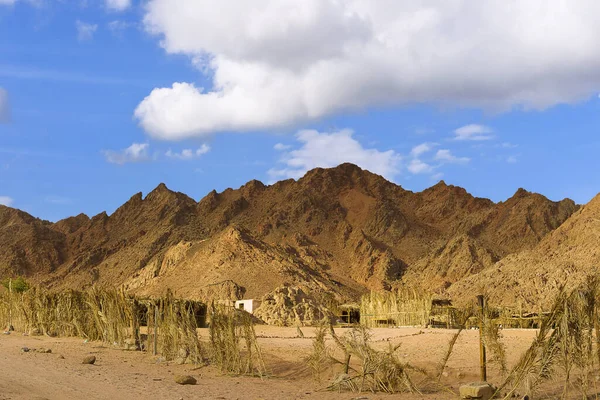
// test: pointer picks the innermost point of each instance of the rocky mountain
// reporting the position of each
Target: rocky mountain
(567, 256)
(340, 231)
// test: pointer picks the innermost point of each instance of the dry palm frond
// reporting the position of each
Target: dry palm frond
(462, 318)
(227, 328)
(320, 357)
(379, 371)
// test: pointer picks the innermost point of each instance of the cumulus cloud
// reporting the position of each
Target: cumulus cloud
(85, 31)
(417, 166)
(278, 63)
(321, 149)
(6, 201)
(473, 132)
(188, 154)
(4, 106)
(118, 5)
(422, 149)
(282, 147)
(446, 156)
(137, 152)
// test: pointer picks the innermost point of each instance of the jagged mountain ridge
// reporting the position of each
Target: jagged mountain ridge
(342, 229)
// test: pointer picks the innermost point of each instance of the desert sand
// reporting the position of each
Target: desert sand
(120, 374)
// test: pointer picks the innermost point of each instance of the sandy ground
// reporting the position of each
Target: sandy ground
(120, 374)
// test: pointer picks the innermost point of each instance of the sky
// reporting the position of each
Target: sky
(102, 99)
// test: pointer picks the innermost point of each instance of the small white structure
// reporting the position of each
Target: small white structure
(247, 305)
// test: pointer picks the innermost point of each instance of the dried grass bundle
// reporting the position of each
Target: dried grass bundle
(229, 329)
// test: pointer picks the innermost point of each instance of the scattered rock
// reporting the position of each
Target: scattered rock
(89, 360)
(43, 350)
(477, 390)
(185, 380)
(60, 357)
(25, 349)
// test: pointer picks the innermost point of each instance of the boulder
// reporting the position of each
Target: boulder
(185, 380)
(477, 390)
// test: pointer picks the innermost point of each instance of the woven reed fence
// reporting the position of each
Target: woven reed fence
(400, 308)
(109, 315)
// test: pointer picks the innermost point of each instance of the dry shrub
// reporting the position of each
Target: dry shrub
(378, 371)
(234, 347)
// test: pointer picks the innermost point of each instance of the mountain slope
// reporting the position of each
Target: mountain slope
(565, 256)
(343, 230)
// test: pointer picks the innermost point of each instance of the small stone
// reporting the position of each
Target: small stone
(89, 360)
(44, 351)
(25, 349)
(477, 390)
(185, 380)
(60, 357)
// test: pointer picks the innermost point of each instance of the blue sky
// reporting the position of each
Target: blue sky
(100, 100)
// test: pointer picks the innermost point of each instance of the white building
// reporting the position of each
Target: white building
(247, 305)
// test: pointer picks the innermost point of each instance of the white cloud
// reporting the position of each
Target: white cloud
(7, 2)
(511, 159)
(4, 106)
(188, 154)
(118, 5)
(6, 201)
(446, 156)
(85, 31)
(422, 149)
(473, 132)
(137, 152)
(417, 166)
(279, 63)
(118, 27)
(327, 150)
(282, 147)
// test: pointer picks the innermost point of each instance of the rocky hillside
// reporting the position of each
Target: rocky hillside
(340, 231)
(568, 255)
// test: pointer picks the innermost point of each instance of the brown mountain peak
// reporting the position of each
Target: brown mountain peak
(252, 187)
